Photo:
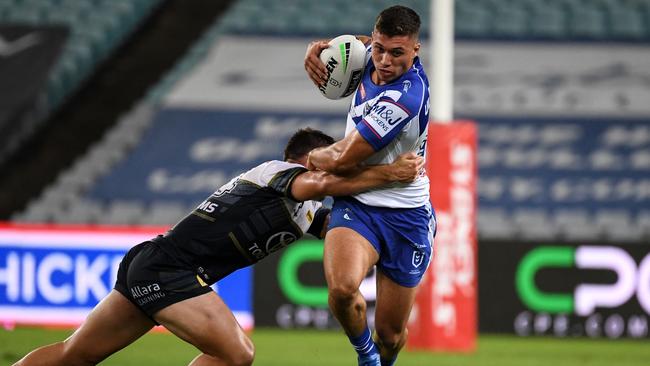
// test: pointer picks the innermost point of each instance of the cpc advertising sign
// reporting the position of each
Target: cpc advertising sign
(597, 291)
(55, 275)
(291, 292)
(616, 307)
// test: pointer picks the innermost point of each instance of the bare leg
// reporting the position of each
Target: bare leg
(112, 325)
(347, 258)
(394, 303)
(206, 322)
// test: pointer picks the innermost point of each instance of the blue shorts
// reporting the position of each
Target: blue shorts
(403, 237)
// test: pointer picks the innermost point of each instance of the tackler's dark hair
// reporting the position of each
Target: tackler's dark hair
(398, 20)
(304, 141)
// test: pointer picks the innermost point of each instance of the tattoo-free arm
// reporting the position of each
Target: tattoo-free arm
(316, 184)
(342, 157)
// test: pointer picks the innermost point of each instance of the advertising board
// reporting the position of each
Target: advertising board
(598, 291)
(54, 275)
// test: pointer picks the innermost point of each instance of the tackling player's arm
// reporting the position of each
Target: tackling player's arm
(316, 184)
(342, 157)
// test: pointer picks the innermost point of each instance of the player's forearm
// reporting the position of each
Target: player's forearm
(330, 159)
(316, 184)
(362, 180)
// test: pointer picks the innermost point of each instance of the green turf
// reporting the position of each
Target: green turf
(316, 348)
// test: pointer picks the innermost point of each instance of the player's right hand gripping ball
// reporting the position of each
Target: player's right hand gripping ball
(345, 60)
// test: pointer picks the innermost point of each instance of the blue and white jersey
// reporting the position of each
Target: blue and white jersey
(393, 118)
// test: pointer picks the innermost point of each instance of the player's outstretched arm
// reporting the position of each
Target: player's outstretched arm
(316, 184)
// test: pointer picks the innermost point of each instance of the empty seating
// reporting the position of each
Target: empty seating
(96, 28)
(617, 225)
(82, 212)
(586, 20)
(124, 213)
(534, 224)
(515, 19)
(626, 23)
(165, 213)
(472, 19)
(495, 224)
(510, 21)
(575, 225)
(643, 223)
(546, 20)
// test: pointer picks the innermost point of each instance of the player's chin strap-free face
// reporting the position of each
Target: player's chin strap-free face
(392, 56)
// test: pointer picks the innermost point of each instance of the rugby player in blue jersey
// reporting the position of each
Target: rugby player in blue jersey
(166, 280)
(390, 227)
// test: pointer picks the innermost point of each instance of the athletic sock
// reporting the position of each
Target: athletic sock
(363, 344)
(385, 362)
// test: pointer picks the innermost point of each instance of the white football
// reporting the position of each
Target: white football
(345, 60)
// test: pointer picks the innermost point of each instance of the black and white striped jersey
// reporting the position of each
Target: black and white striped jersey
(244, 221)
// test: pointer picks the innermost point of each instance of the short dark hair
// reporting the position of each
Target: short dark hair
(304, 141)
(398, 20)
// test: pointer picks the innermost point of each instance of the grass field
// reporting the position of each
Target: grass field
(318, 348)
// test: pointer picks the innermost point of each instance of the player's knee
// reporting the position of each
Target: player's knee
(342, 293)
(342, 298)
(243, 355)
(61, 353)
(83, 359)
(390, 338)
(81, 356)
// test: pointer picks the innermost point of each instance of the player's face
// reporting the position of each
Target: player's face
(392, 56)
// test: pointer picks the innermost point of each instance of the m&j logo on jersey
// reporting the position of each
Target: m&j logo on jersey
(384, 115)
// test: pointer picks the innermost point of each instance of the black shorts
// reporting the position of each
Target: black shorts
(153, 280)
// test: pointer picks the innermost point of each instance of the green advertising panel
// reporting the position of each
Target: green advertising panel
(565, 290)
(291, 292)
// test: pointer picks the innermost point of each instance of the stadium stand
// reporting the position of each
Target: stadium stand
(110, 90)
(574, 225)
(540, 179)
(96, 29)
(599, 20)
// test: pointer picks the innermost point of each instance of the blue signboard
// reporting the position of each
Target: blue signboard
(56, 275)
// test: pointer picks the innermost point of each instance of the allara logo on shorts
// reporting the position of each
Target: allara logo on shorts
(139, 291)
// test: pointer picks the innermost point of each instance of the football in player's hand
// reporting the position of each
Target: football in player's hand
(344, 59)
